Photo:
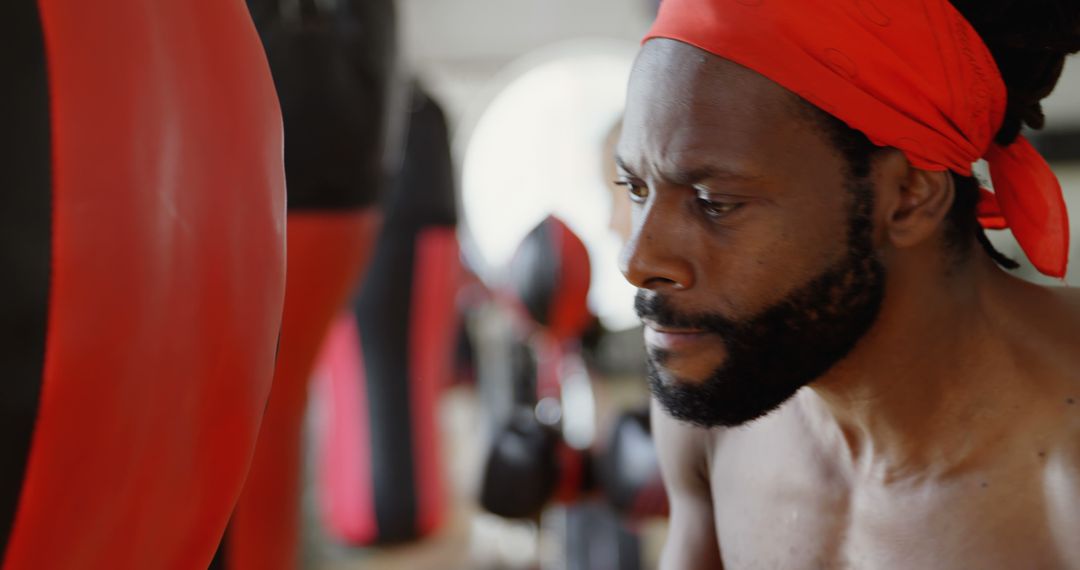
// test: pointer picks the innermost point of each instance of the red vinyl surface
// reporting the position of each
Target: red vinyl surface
(436, 275)
(346, 489)
(570, 309)
(167, 283)
(346, 483)
(327, 252)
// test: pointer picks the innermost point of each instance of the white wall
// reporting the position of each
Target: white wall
(456, 46)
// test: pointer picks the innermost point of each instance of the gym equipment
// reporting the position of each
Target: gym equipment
(530, 462)
(522, 469)
(593, 537)
(142, 247)
(333, 64)
(542, 462)
(630, 470)
(379, 465)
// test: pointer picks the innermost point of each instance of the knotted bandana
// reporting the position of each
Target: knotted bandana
(909, 74)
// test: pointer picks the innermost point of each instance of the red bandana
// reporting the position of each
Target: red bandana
(914, 76)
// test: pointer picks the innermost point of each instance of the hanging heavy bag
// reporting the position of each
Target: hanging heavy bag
(380, 475)
(141, 277)
(332, 63)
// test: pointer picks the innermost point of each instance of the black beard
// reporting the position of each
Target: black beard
(784, 347)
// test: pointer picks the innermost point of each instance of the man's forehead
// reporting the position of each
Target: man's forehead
(691, 71)
(684, 102)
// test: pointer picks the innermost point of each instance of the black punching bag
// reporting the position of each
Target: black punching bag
(380, 471)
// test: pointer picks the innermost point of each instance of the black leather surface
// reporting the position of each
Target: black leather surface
(333, 64)
(423, 198)
(25, 241)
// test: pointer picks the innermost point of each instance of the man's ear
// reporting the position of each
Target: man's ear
(914, 202)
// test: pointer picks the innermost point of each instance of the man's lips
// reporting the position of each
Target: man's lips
(675, 339)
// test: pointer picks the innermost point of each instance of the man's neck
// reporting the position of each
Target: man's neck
(931, 386)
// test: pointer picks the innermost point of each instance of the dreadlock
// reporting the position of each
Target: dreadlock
(1029, 40)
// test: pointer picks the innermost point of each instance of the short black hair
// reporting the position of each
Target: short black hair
(1029, 40)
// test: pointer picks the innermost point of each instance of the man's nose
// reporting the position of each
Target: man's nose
(655, 256)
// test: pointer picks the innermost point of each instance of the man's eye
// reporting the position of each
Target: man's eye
(717, 209)
(638, 193)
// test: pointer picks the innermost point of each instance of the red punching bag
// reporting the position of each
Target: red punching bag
(141, 277)
(332, 63)
(380, 474)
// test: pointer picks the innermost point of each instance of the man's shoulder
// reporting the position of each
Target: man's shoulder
(696, 453)
(1070, 296)
(1061, 478)
(1048, 319)
(1066, 325)
(786, 436)
(683, 449)
(1062, 390)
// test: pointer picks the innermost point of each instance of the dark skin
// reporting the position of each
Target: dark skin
(948, 438)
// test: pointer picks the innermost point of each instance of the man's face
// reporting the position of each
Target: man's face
(752, 248)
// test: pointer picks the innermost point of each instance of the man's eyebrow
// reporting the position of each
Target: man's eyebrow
(694, 175)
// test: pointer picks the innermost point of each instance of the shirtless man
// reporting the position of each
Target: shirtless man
(843, 374)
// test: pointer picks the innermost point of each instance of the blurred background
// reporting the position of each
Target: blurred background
(482, 403)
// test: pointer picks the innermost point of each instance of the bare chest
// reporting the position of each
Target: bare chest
(779, 506)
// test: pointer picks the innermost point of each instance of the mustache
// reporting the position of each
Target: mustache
(658, 309)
